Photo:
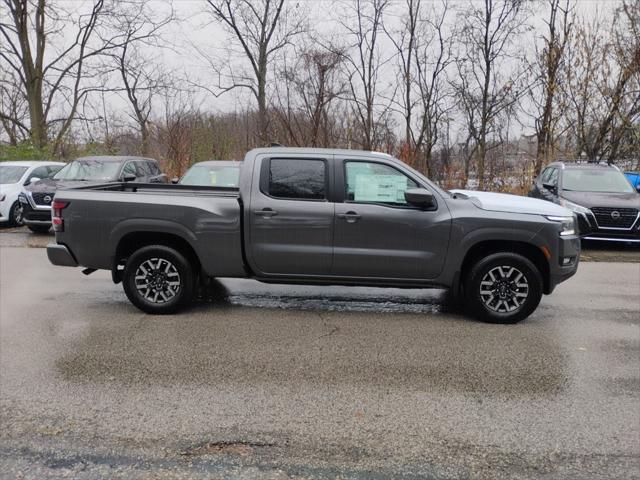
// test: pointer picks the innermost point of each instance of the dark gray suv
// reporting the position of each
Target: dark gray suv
(603, 199)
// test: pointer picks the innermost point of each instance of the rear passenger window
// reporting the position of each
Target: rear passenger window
(143, 170)
(297, 179)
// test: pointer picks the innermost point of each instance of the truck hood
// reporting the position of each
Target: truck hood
(594, 199)
(503, 202)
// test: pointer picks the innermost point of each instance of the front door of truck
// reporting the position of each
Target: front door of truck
(377, 233)
(291, 217)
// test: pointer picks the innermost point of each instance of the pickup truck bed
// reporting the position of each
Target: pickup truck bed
(318, 216)
(116, 214)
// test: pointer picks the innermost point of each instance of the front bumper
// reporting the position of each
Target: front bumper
(590, 230)
(60, 255)
(33, 214)
(568, 248)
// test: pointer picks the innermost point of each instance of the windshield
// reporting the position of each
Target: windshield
(11, 173)
(604, 181)
(91, 170)
(212, 176)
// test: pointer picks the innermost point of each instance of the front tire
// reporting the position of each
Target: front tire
(503, 288)
(15, 214)
(158, 279)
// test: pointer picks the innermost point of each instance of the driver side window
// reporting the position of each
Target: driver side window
(129, 169)
(370, 182)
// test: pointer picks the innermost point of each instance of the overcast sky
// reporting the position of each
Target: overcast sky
(195, 27)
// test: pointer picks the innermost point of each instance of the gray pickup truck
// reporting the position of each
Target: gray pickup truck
(316, 216)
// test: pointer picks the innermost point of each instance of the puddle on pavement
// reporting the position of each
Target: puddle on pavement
(377, 300)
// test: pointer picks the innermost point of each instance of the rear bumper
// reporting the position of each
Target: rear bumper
(60, 255)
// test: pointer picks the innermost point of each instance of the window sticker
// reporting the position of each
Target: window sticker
(380, 188)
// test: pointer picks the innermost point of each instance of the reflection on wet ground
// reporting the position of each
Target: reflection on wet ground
(330, 299)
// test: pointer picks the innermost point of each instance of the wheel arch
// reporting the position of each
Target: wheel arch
(133, 241)
(487, 247)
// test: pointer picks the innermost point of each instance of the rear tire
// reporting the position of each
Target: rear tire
(503, 288)
(41, 229)
(158, 280)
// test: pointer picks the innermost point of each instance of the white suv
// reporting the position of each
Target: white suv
(13, 178)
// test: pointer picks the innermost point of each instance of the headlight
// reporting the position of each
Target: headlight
(574, 206)
(568, 225)
(22, 198)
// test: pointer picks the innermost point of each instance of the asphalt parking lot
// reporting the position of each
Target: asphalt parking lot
(287, 382)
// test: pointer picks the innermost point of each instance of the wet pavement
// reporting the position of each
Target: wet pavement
(283, 382)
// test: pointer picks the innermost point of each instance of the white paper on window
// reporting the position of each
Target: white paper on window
(380, 188)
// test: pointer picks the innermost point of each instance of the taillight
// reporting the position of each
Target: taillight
(56, 215)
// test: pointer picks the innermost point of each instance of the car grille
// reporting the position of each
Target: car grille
(41, 198)
(606, 217)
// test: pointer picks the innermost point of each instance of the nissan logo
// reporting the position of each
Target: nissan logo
(615, 215)
(47, 199)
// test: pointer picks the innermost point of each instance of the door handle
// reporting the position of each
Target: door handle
(350, 217)
(266, 212)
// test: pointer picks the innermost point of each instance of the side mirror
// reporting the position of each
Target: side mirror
(550, 186)
(175, 180)
(638, 188)
(419, 197)
(32, 180)
(129, 178)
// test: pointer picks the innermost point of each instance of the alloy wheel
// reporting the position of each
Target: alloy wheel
(504, 289)
(157, 280)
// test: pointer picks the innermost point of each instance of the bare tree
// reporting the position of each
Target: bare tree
(53, 72)
(424, 54)
(487, 87)
(259, 29)
(13, 108)
(549, 67)
(603, 86)
(308, 90)
(141, 76)
(364, 63)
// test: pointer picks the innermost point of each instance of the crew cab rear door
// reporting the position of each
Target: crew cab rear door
(291, 217)
(377, 233)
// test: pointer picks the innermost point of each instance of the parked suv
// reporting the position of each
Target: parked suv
(604, 201)
(37, 197)
(14, 176)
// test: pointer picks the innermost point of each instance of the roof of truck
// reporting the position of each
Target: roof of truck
(114, 158)
(326, 151)
(218, 163)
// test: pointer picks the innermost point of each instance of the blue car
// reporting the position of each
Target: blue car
(634, 178)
